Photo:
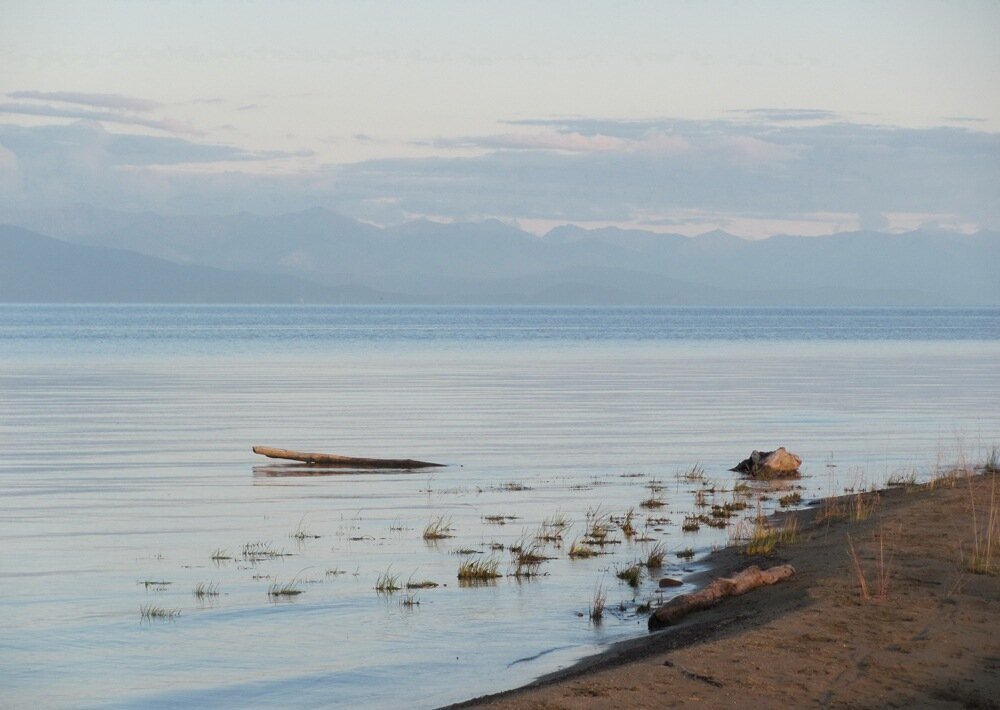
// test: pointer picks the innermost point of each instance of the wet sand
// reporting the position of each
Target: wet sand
(934, 641)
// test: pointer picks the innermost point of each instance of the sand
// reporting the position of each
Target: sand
(933, 641)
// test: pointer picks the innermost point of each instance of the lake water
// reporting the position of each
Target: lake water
(126, 435)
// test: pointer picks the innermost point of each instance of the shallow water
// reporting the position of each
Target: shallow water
(126, 434)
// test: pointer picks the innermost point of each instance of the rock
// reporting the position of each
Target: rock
(779, 463)
(670, 582)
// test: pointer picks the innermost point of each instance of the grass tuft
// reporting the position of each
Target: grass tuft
(387, 583)
(883, 571)
(438, 529)
(580, 550)
(279, 590)
(149, 612)
(764, 537)
(479, 570)
(597, 604)
(631, 575)
(203, 589)
(655, 556)
(985, 535)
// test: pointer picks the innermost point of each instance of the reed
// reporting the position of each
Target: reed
(149, 612)
(631, 575)
(479, 570)
(655, 556)
(438, 529)
(279, 590)
(597, 604)
(883, 571)
(206, 589)
(985, 534)
(387, 582)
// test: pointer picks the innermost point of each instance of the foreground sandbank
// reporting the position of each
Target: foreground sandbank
(933, 640)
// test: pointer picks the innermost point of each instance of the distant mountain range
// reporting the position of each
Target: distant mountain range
(317, 256)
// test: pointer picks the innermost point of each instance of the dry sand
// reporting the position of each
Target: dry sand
(813, 641)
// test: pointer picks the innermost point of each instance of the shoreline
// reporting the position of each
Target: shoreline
(814, 639)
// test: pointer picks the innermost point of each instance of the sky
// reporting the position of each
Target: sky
(757, 118)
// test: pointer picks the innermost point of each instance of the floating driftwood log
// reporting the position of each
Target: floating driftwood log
(779, 463)
(740, 583)
(340, 461)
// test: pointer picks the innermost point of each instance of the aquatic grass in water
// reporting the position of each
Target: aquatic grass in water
(438, 529)
(286, 590)
(150, 612)
(597, 604)
(479, 570)
(209, 589)
(631, 575)
(387, 583)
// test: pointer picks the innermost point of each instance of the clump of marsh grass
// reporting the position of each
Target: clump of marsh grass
(499, 519)
(259, 551)
(631, 575)
(206, 589)
(220, 553)
(552, 528)
(438, 529)
(686, 554)
(764, 537)
(985, 535)
(598, 528)
(597, 604)
(154, 584)
(335, 571)
(690, 524)
(280, 590)
(514, 486)
(302, 533)
(479, 570)
(653, 502)
(902, 480)
(580, 550)
(387, 582)
(695, 473)
(879, 591)
(409, 601)
(992, 462)
(150, 612)
(627, 524)
(793, 498)
(425, 584)
(655, 556)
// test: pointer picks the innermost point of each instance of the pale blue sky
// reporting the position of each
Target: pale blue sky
(296, 99)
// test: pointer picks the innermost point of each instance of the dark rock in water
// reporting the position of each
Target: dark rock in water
(770, 464)
(670, 582)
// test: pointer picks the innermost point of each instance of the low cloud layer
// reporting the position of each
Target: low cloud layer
(766, 164)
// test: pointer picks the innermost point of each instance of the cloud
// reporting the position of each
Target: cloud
(572, 169)
(790, 114)
(108, 101)
(167, 125)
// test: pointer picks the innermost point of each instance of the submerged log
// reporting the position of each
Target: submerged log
(779, 463)
(340, 461)
(740, 583)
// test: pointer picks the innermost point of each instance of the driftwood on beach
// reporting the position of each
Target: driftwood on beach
(740, 583)
(340, 461)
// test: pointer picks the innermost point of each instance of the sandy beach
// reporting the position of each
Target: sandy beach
(925, 637)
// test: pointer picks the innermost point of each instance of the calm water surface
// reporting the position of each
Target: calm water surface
(126, 435)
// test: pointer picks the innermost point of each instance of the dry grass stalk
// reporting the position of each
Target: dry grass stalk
(438, 529)
(883, 571)
(597, 604)
(985, 537)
